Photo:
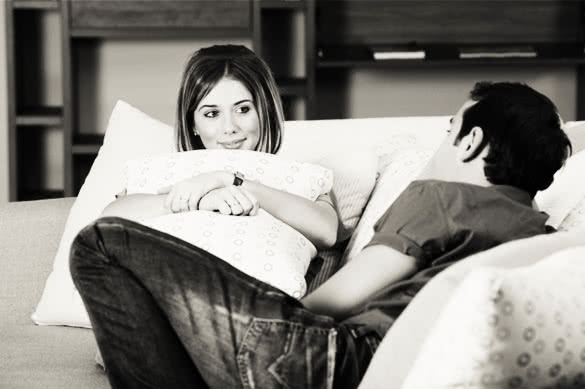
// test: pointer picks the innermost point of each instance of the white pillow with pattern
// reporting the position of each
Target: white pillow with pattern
(510, 328)
(148, 175)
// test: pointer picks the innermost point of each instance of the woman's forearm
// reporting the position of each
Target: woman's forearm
(317, 221)
(137, 206)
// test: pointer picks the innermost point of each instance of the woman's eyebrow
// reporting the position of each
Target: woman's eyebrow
(243, 101)
(207, 106)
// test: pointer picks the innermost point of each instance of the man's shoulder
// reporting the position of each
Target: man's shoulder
(450, 187)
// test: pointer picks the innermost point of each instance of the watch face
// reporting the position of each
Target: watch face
(238, 178)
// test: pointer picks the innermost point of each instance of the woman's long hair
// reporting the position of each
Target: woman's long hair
(205, 69)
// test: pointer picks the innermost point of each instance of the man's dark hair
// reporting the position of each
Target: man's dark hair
(523, 130)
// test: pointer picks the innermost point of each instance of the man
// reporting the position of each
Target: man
(191, 320)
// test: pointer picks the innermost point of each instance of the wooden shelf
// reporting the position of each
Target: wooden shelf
(36, 4)
(40, 116)
(87, 144)
(158, 32)
(283, 4)
(450, 62)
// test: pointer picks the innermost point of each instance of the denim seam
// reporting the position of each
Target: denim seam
(331, 356)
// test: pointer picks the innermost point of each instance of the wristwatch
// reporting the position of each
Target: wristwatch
(238, 178)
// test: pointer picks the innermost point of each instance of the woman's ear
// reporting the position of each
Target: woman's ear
(468, 147)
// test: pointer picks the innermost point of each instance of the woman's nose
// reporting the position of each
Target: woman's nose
(229, 125)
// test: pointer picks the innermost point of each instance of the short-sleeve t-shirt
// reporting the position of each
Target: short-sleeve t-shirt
(440, 222)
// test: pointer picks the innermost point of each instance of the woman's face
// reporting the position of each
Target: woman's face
(227, 118)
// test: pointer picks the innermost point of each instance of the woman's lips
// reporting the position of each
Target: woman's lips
(235, 144)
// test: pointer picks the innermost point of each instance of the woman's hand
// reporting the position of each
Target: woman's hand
(185, 195)
(230, 200)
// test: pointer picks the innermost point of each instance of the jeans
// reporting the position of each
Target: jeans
(167, 314)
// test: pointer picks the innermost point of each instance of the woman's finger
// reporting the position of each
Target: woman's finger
(253, 200)
(224, 208)
(193, 203)
(244, 204)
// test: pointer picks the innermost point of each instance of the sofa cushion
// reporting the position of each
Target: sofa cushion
(403, 343)
(512, 328)
(35, 357)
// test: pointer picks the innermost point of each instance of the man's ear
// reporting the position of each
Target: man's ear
(469, 145)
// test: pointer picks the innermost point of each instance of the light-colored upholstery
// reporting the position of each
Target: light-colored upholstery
(32, 356)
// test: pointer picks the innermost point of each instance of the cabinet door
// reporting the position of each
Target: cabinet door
(134, 14)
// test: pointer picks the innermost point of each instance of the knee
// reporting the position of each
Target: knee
(84, 248)
(97, 243)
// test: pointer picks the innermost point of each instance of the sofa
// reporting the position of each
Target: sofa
(63, 356)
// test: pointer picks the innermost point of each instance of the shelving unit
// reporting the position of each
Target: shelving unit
(347, 30)
(351, 27)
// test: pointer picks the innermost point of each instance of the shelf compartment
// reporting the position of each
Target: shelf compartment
(449, 54)
(449, 62)
(131, 14)
(35, 4)
(40, 116)
(157, 32)
(41, 194)
(286, 4)
(87, 144)
(292, 86)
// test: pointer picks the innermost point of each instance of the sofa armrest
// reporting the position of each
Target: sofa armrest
(30, 232)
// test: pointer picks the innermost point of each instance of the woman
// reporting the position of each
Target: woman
(167, 314)
(228, 99)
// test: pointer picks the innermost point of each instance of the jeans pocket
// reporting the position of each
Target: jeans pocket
(282, 354)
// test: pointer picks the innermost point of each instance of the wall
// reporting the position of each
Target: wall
(3, 112)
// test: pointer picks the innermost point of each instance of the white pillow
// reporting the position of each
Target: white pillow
(565, 198)
(150, 174)
(130, 134)
(261, 246)
(403, 342)
(399, 167)
(510, 328)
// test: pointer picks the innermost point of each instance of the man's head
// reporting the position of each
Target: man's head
(508, 133)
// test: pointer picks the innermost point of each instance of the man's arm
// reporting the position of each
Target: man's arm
(352, 286)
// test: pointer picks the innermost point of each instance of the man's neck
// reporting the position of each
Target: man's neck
(457, 173)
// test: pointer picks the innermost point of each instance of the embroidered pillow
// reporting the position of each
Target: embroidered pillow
(261, 246)
(148, 175)
(510, 328)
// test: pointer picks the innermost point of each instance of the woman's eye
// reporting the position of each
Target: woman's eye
(211, 114)
(243, 109)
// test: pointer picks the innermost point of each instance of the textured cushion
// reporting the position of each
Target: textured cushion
(151, 174)
(564, 197)
(403, 342)
(261, 246)
(513, 328)
(131, 134)
(399, 168)
(35, 357)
